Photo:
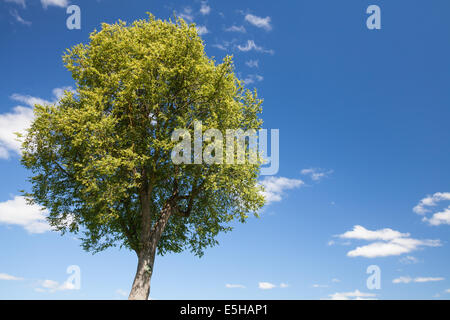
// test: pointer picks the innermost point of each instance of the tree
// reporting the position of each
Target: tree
(101, 157)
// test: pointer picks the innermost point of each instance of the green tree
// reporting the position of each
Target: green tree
(101, 157)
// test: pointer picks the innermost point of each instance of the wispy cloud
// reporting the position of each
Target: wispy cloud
(354, 295)
(275, 187)
(408, 279)
(259, 22)
(224, 45)
(252, 78)
(251, 45)
(29, 100)
(19, 2)
(32, 101)
(234, 286)
(266, 285)
(186, 14)
(269, 286)
(205, 9)
(252, 63)
(53, 286)
(428, 279)
(7, 277)
(122, 292)
(316, 174)
(409, 260)
(201, 30)
(388, 242)
(18, 18)
(55, 3)
(402, 280)
(219, 46)
(234, 28)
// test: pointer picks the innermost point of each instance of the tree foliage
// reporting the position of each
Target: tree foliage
(100, 157)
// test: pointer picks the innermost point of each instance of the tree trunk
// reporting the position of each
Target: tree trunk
(146, 257)
(141, 285)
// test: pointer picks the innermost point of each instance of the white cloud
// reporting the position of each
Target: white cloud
(17, 212)
(402, 280)
(252, 63)
(56, 3)
(49, 284)
(409, 260)
(392, 248)
(259, 22)
(430, 201)
(428, 279)
(316, 174)
(205, 9)
(53, 286)
(439, 218)
(252, 78)
(219, 46)
(201, 30)
(59, 92)
(408, 279)
(18, 18)
(121, 292)
(424, 206)
(320, 286)
(7, 277)
(224, 45)
(20, 119)
(234, 286)
(355, 295)
(388, 242)
(10, 123)
(251, 45)
(284, 285)
(361, 233)
(234, 28)
(186, 14)
(447, 291)
(29, 100)
(19, 2)
(335, 280)
(274, 187)
(266, 285)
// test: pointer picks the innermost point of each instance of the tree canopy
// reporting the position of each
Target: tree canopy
(101, 156)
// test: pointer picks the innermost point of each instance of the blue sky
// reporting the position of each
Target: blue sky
(364, 152)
